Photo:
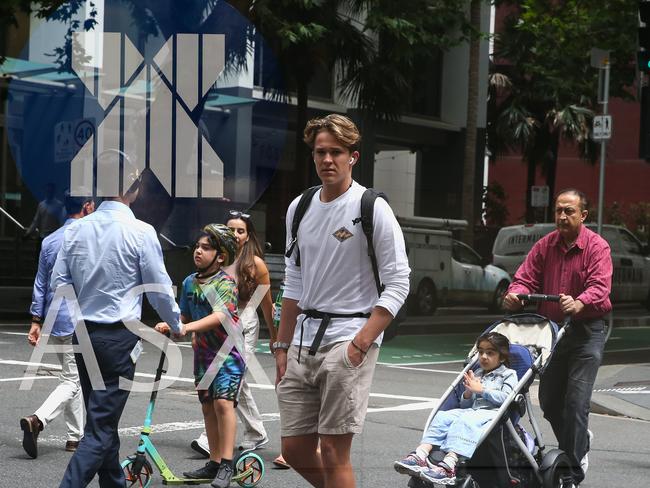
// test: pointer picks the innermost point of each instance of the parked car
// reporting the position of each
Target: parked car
(631, 260)
(445, 271)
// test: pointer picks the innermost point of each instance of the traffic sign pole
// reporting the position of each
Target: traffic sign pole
(604, 72)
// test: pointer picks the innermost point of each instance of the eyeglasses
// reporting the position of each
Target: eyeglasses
(239, 215)
(568, 211)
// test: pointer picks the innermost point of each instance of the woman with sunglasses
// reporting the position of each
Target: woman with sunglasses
(249, 271)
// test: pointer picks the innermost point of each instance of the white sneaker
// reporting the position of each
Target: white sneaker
(248, 445)
(584, 463)
(201, 445)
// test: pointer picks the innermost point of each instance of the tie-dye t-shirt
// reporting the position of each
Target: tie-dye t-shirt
(222, 291)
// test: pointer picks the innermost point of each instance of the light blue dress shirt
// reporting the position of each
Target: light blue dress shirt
(104, 256)
(42, 293)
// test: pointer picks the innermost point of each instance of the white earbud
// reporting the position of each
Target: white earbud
(351, 161)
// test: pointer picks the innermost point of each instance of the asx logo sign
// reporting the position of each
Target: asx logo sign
(148, 115)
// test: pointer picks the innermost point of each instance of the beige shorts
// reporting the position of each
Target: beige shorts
(325, 393)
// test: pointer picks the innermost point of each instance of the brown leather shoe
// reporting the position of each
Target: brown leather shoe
(71, 446)
(31, 427)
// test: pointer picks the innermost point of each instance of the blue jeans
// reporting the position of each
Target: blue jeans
(99, 449)
(458, 430)
(566, 386)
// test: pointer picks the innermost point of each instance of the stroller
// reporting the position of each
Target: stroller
(507, 455)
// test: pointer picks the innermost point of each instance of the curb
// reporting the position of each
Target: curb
(610, 405)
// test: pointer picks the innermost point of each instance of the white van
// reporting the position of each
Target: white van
(631, 279)
(445, 271)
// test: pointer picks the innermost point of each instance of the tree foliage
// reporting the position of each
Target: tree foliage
(407, 41)
(542, 86)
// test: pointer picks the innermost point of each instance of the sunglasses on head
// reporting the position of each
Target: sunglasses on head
(239, 215)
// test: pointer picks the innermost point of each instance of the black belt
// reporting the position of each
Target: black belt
(108, 325)
(325, 318)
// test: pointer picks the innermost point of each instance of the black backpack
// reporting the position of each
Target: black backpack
(367, 224)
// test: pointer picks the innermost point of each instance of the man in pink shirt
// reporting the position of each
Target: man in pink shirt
(576, 264)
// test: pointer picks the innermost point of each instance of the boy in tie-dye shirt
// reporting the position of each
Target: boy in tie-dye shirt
(208, 306)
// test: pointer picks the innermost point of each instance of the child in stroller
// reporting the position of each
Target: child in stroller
(457, 431)
(505, 454)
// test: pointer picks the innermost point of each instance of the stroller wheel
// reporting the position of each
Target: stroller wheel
(558, 474)
(249, 470)
(137, 472)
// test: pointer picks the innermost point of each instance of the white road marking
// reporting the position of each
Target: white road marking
(140, 375)
(410, 368)
(191, 380)
(27, 363)
(632, 390)
(402, 397)
(407, 407)
(423, 403)
(21, 378)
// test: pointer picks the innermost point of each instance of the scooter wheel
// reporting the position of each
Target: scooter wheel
(135, 476)
(249, 470)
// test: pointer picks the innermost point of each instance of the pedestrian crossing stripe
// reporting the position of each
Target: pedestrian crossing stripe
(621, 390)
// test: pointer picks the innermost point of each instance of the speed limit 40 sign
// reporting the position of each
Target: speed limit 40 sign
(70, 136)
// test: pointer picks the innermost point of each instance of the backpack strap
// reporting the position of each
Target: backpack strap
(301, 209)
(367, 224)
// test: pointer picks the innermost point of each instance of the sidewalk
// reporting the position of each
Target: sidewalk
(623, 390)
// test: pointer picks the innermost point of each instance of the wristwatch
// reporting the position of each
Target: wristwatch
(280, 345)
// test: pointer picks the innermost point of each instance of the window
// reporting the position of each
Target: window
(464, 254)
(424, 98)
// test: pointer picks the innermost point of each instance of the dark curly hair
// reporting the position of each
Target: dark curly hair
(500, 343)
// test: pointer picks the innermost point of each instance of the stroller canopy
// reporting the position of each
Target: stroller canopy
(530, 330)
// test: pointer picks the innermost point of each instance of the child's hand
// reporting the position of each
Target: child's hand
(472, 383)
(178, 335)
(162, 327)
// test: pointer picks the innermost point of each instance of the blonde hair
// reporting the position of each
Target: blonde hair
(341, 127)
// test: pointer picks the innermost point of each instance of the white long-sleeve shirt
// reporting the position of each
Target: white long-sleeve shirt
(336, 273)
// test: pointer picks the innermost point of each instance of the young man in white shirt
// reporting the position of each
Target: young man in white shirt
(323, 379)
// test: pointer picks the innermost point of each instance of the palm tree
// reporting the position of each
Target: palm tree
(306, 37)
(542, 89)
(521, 119)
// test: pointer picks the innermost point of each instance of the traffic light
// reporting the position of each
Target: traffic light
(643, 56)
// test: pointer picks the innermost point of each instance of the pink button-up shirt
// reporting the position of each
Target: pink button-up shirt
(584, 271)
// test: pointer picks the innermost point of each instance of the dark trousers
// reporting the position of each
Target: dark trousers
(99, 449)
(566, 386)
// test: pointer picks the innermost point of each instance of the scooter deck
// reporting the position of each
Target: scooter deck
(186, 481)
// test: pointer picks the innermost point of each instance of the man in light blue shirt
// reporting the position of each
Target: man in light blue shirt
(104, 256)
(66, 397)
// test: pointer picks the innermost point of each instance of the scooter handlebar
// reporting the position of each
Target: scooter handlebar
(535, 297)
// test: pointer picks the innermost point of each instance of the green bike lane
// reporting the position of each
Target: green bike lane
(442, 348)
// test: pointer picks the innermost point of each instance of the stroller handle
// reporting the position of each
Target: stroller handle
(534, 297)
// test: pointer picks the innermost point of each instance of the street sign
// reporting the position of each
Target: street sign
(599, 57)
(70, 136)
(602, 129)
(64, 146)
(539, 196)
